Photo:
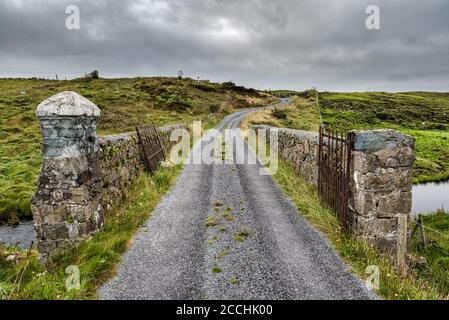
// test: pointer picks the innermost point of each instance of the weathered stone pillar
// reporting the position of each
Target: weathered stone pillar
(381, 188)
(67, 207)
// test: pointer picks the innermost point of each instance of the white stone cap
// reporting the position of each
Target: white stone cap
(67, 103)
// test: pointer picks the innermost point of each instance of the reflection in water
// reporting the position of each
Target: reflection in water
(21, 236)
(429, 197)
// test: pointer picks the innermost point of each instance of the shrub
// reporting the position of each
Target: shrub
(214, 108)
(279, 114)
(93, 75)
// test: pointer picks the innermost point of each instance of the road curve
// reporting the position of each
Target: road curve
(260, 248)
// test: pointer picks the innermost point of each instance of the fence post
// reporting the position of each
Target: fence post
(380, 197)
(66, 207)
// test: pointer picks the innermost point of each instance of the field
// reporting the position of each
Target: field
(124, 103)
(423, 115)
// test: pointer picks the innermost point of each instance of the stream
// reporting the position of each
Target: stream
(429, 197)
(21, 236)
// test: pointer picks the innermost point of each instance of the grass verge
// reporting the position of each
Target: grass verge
(23, 277)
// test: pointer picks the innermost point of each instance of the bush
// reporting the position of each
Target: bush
(214, 108)
(279, 114)
(175, 101)
(93, 75)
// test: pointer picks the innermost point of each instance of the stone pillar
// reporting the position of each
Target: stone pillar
(381, 188)
(66, 207)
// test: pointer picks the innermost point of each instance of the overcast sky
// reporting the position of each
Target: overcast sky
(291, 44)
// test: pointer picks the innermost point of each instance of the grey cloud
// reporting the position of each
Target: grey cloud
(292, 44)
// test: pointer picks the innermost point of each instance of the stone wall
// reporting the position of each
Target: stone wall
(121, 161)
(82, 174)
(380, 196)
(299, 149)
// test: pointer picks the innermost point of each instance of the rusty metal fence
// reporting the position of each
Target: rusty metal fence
(152, 148)
(334, 170)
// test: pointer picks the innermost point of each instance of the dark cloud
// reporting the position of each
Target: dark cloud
(279, 44)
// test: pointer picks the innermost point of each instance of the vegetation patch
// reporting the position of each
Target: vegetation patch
(23, 277)
(301, 114)
(223, 253)
(211, 222)
(241, 235)
(229, 217)
(216, 269)
(218, 204)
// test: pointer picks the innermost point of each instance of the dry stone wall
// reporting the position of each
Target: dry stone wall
(299, 149)
(121, 161)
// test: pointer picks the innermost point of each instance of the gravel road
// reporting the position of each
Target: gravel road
(257, 245)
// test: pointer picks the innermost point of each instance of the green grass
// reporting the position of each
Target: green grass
(436, 252)
(96, 258)
(241, 235)
(423, 115)
(356, 253)
(124, 103)
(228, 217)
(211, 222)
(216, 269)
(302, 114)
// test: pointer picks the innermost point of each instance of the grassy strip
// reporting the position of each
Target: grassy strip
(356, 253)
(23, 278)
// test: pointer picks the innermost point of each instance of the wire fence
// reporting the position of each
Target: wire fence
(433, 245)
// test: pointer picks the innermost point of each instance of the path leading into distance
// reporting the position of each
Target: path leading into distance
(257, 245)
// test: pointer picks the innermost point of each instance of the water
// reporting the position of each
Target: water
(21, 236)
(429, 197)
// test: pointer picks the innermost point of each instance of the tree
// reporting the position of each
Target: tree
(94, 74)
(180, 74)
